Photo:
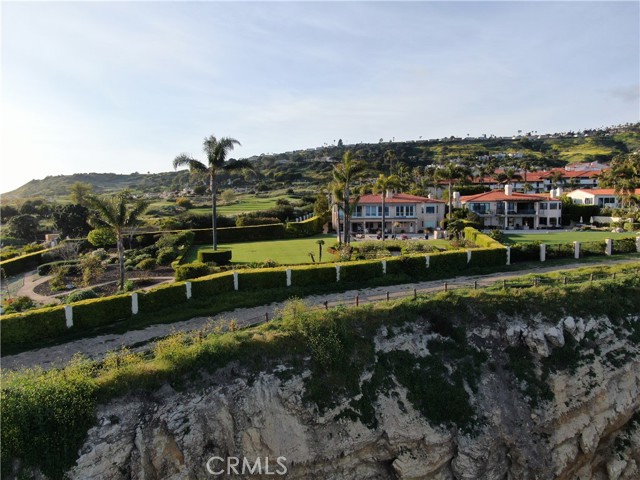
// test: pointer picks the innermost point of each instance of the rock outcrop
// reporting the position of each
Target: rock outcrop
(586, 429)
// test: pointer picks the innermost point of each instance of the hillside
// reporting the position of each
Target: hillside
(313, 165)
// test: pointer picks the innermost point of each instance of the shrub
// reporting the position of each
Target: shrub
(184, 203)
(560, 250)
(247, 220)
(306, 228)
(488, 257)
(624, 245)
(262, 279)
(166, 255)
(219, 257)
(32, 326)
(631, 226)
(146, 264)
(212, 285)
(80, 295)
(46, 268)
(525, 252)
(164, 296)
(356, 271)
(23, 263)
(480, 239)
(97, 312)
(192, 270)
(17, 304)
(303, 276)
(102, 237)
(447, 263)
(414, 266)
(92, 268)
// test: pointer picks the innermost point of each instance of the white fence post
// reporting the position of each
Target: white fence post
(609, 247)
(543, 252)
(288, 277)
(68, 315)
(134, 303)
(576, 249)
(384, 267)
(508, 255)
(427, 260)
(188, 285)
(337, 273)
(235, 280)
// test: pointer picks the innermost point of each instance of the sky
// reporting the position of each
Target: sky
(122, 87)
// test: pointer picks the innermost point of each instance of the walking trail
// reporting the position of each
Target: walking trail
(144, 339)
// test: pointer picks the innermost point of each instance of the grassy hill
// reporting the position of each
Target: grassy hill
(313, 165)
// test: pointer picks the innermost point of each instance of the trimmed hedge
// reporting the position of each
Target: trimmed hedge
(306, 228)
(488, 257)
(352, 272)
(219, 257)
(192, 270)
(212, 285)
(447, 263)
(525, 252)
(242, 234)
(161, 297)
(23, 263)
(98, 312)
(588, 249)
(624, 245)
(480, 239)
(413, 266)
(559, 250)
(33, 325)
(305, 276)
(262, 279)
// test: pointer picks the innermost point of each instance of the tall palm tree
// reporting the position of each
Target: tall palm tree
(216, 150)
(451, 173)
(382, 185)
(117, 213)
(623, 177)
(344, 175)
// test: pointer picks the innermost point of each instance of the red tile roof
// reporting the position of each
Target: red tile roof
(500, 196)
(602, 191)
(396, 198)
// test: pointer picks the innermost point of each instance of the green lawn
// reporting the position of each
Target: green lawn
(284, 252)
(561, 237)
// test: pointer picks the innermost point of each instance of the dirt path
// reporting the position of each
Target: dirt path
(139, 340)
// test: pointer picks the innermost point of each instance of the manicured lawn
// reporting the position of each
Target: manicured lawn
(562, 237)
(284, 252)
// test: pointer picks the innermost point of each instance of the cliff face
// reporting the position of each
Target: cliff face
(578, 422)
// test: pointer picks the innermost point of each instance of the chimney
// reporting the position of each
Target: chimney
(508, 189)
(389, 194)
(552, 193)
(429, 195)
(456, 200)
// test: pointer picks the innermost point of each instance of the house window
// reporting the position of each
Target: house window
(358, 212)
(430, 209)
(553, 206)
(405, 211)
(481, 208)
(588, 201)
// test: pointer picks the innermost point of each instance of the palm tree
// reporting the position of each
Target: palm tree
(451, 173)
(623, 176)
(384, 183)
(344, 175)
(116, 214)
(216, 150)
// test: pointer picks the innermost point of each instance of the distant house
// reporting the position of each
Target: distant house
(601, 197)
(404, 213)
(506, 209)
(541, 181)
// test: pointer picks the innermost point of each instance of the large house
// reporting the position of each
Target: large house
(601, 197)
(404, 213)
(543, 180)
(507, 209)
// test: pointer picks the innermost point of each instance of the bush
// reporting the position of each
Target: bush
(80, 295)
(631, 226)
(166, 255)
(102, 237)
(17, 304)
(23, 263)
(243, 234)
(192, 270)
(306, 228)
(184, 203)
(525, 252)
(146, 264)
(32, 326)
(212, 285)
(480, 239)
(446, 264)
(488, 257)
(219, 257)
(353, 272)
(304, 276)
(249, 280)
(560, 250)
(246, 220)
(624, 245)
(88, 314)
(164, 296)
(46, 268)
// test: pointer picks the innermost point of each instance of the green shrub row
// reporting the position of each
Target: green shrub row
(262, 279)
(33, 325)
(98, 312)
(488, 257)
(219, 257)
(251, 233)
(624, 245)
(161, 297)
(306, 228)
(212, 285)
(24, 263)
(480, 239)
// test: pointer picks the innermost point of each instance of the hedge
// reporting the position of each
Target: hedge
(161, 297)
(23, 263)
(352, 272)
(212, 285)
(33, 325)
(191, 270)
(413, 266)
(219, 257)
(588, 249)
(261, 279)
(242, 234)
(525, 252)
(560, 250)
(624, 245)
(98, 312)
(309, 275)
(447, 263)
(306, 228)
(488, 257)
(480, 239)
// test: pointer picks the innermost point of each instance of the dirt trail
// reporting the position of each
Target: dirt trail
(139, 340)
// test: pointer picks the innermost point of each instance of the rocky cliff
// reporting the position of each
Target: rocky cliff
(548, 400)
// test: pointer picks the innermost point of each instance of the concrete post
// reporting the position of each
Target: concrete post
(609, 247)
(337, 273)
(288, 271)
(188, 285)
(576, 249)
(468, 256)
(68, 315)
(134, 303)
(235, 280)
(508, 255)
(384, 267)
(543, 252)
(427, 259)
(638, 243)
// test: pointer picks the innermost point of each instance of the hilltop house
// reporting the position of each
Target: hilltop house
(601, 197)
(542, 181)
(404, 213)
(507, 209)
